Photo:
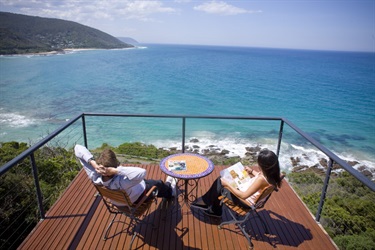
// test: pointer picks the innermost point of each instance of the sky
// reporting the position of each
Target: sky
(343, 25)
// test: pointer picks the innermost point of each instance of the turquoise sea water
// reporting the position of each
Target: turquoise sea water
(330, 95)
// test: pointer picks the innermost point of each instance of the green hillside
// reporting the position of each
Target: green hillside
(28, 34)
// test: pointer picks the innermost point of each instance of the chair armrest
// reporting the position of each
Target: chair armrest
(224, 195)
(151, 192)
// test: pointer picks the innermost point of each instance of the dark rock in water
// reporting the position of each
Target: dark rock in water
(224, 152)
(295, 161)
(323, 162)
(253, 149)
(194, 140)
(205, 151)
(353, 163)
(366, 171)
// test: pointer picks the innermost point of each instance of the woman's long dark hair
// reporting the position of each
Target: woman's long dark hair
(269, 163)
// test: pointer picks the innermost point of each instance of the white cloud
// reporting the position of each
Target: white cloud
(182, 1)
(222, 8)
(78, 10)
(141, 10)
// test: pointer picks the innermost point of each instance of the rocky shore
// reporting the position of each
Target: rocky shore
(224, 157)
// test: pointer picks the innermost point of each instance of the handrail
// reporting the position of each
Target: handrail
(188, 116)
(332, 157)
(39, 144)
(36, 146)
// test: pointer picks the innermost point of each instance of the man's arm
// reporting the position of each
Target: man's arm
(131, 177)
(91, 166)
(84, 155)
(132, 173)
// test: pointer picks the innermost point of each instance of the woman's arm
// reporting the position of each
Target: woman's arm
(251, 171)
(258, 184)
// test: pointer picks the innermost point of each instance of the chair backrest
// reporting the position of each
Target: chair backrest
(118, 196)
(260, 202)
(119, 201)
(266, 194)
(115, 199)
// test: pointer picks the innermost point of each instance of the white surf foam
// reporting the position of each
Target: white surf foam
(237, 147)
(16, 120)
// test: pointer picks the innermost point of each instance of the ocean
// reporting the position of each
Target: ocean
(328, 94)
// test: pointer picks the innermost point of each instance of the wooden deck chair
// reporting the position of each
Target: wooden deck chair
(241, 214)
(135, 211)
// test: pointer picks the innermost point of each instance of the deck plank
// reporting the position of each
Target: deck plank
(78, 220)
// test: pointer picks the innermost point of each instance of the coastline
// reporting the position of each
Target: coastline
(224, 156)
(64, 51)
(297, 163)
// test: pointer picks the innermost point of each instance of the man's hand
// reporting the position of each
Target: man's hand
(100, 169)
(107, 171)
(104, 171)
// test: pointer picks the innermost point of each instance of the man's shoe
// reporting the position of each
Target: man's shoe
(211, 214)
(199, 203)
(172, 181)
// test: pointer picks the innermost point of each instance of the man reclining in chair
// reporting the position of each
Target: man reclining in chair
(106, 171)
(269, 174)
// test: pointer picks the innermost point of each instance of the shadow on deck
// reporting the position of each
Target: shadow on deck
(78, 220)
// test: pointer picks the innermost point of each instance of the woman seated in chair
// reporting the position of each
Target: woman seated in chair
(106, 171)
(269, 174)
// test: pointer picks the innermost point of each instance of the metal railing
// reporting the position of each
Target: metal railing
(332, 157)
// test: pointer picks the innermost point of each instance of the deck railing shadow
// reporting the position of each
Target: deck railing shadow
(287, 227)
(166, 217)
(256, 231)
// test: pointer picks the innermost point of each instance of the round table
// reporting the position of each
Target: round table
(197, 166)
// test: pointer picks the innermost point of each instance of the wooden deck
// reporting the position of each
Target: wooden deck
(78, 219)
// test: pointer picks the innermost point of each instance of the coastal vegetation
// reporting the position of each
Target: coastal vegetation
(21, 34)
(348, 215)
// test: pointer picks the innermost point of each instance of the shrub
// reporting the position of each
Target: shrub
(348, 214)
(140, 149)
(19, 211)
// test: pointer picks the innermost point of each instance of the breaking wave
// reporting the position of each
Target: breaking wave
(15, 120)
